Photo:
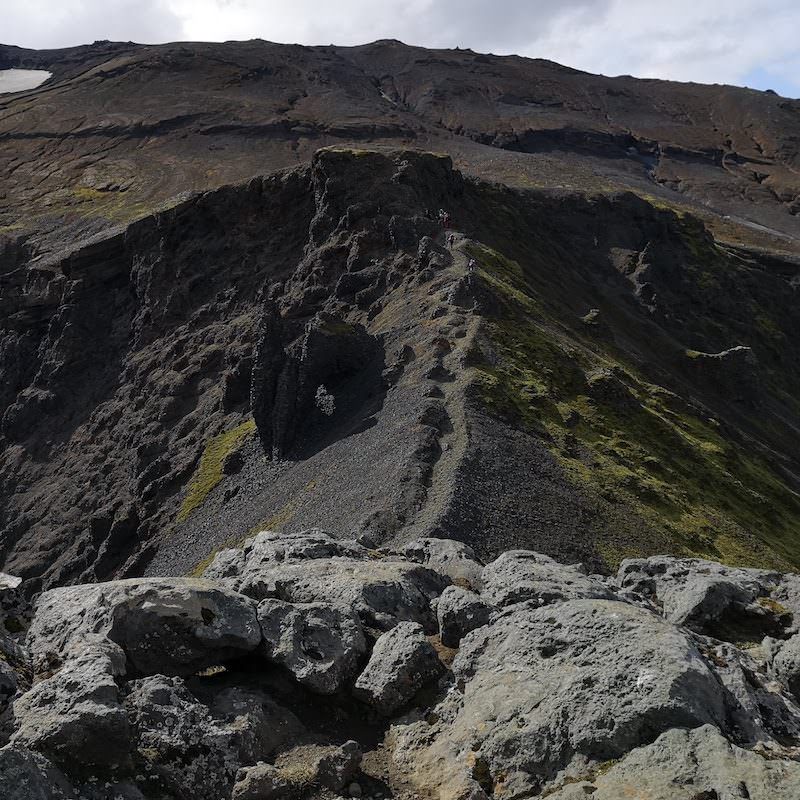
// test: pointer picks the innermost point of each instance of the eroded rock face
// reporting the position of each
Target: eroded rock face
(170, 626)
(321, 645)
(687, 765)
(459, 612)
(541, 687)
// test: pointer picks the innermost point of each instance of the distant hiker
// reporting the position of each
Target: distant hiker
(451, 240)
(471, 265)
(446, 220)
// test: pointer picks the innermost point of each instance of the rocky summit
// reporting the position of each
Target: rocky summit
(385, 422)
(300, 665)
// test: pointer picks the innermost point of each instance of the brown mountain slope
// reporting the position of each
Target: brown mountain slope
(121, 128)
(609, 378)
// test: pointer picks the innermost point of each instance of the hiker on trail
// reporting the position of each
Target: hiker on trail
(446, 220)
(471, 265)
(451, 240)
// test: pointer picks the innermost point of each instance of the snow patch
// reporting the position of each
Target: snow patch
(18, 80)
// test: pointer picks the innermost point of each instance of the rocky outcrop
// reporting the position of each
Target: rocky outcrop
(518, 576)
(687, 765)
(402, 662)
(321, 645)
(381, 591)
(170, 626)
(548, 680)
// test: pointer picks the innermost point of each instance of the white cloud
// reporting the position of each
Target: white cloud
(63, 23)
(701, 40)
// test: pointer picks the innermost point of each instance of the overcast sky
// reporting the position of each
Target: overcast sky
(746, 42)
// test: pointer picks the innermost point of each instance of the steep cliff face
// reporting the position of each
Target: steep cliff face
(606, 380)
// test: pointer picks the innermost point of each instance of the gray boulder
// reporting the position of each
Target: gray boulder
(260, 782)
(541, 687)
(320, 644)
(337, 766)
(266, 549)
(25, 775)
(447, 557)
(194, 750)
(382, 593)
(165, 625)
(695, 592)
(786, 665)
(698, 764)
(402, 662)
(75, 717)
(459, 612)
(520, 575)
(758, 709)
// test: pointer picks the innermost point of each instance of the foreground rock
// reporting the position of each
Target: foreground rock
(402, 662)
(541, 688)
(687, 765)
(678, 679)
(321, 645)
(195, 750)
(25, 775)
(164, 625)
(75, 717)
(314, 568)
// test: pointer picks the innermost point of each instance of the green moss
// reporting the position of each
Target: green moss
(209, 471)
(676, 477)
(337, 327)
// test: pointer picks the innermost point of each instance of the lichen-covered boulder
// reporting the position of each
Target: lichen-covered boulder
(75, 717)
(260, 782)
(542, 686)
(165, 625)
(402, 662)
(459, 612)
(689, 765)
(695, 592)
(319, 643)
(191, 749)
(381, 592)
(520, 575)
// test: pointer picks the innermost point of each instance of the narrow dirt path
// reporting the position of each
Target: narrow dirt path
(459, 327)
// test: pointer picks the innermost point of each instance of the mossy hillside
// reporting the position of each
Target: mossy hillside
(657, 457)
(209, 471)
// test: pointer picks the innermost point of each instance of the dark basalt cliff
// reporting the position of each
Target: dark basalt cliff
(607, 381)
